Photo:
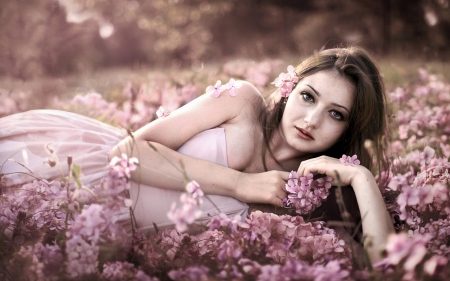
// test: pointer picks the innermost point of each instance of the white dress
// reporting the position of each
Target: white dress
(24, 136)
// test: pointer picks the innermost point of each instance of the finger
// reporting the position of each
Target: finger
(308, 169)
(285, 175)
(277, 202)
(305, 166)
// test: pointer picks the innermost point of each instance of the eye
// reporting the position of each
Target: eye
(307, 97)
(336, 115)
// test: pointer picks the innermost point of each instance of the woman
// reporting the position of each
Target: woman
(331, 104)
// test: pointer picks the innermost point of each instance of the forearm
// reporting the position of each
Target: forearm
(162, 168)
(376, 222)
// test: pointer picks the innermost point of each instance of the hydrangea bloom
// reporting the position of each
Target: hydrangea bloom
(306, 194)
(188, 212)
(45, 224)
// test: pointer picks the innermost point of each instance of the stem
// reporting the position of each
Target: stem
(168, 160)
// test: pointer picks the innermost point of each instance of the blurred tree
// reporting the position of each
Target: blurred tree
(36, 40)
(55, 37)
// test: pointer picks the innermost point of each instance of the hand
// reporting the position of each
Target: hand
(329, 166)
(267, 188)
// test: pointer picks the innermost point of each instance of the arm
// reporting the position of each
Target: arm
(376, 221)
(169, 133)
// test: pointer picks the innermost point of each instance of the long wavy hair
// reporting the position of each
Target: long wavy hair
(368, 116)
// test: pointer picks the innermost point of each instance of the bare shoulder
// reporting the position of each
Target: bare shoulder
(250, 91)
(250, 98)
(203, 113)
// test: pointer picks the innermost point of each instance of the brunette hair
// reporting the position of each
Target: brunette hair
(368, 116)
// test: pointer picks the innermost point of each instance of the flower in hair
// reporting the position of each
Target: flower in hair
(349, 160)
(286, 81)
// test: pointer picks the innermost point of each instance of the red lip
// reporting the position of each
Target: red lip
(303, 134)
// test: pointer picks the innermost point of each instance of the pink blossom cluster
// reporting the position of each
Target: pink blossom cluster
(258, 73)
(405, 255)
(64, 230)
(136, 107)
(423, 188)
(67, 222)
(43, 262)
(305, 194)
(33, 207)
(255, 249)
(118, 181)
(12, 102)
(286, 81)
(124, 271)
(349, 160)
(94, 104)
(424, 110)
(188, 212)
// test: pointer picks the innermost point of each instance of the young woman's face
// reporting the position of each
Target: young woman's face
(317, 112)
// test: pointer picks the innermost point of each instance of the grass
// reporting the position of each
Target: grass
(398, 72)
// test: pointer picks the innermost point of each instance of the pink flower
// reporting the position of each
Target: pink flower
(435, 265)
(194, 189)
(428, 154)
(161, 112)
(305, 194)
(349, 160)
(82, 257)
(199, 273)
(232, 86)
(183, 216)
(216, 90)
(286, 81)
(229, 249)
(122, 167)
(223, 221)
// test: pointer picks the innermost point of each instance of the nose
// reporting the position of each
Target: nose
(313, 117)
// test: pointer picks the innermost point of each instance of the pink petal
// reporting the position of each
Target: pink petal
(210, 90)
(230, 84)
(216, 93)
(290, 69)
(233, 92)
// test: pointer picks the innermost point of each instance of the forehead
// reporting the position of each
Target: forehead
(331, 86)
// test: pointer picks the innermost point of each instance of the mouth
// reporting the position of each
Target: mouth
(303, 134)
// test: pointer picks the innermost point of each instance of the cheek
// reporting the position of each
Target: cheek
(335, 132)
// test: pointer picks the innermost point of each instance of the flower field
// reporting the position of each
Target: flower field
(64, 229)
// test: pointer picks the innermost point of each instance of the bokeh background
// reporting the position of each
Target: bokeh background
(57, 48)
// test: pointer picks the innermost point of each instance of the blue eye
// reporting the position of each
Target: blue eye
(336, 115)
(307, 97)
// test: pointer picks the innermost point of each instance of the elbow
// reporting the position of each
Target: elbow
(115, 151)
(123, 147)
(131, 147)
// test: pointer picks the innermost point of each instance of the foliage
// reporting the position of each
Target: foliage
(57, 37)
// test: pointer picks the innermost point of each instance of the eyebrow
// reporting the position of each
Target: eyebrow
(333, 103)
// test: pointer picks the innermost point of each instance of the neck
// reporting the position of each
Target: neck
(284, 156)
